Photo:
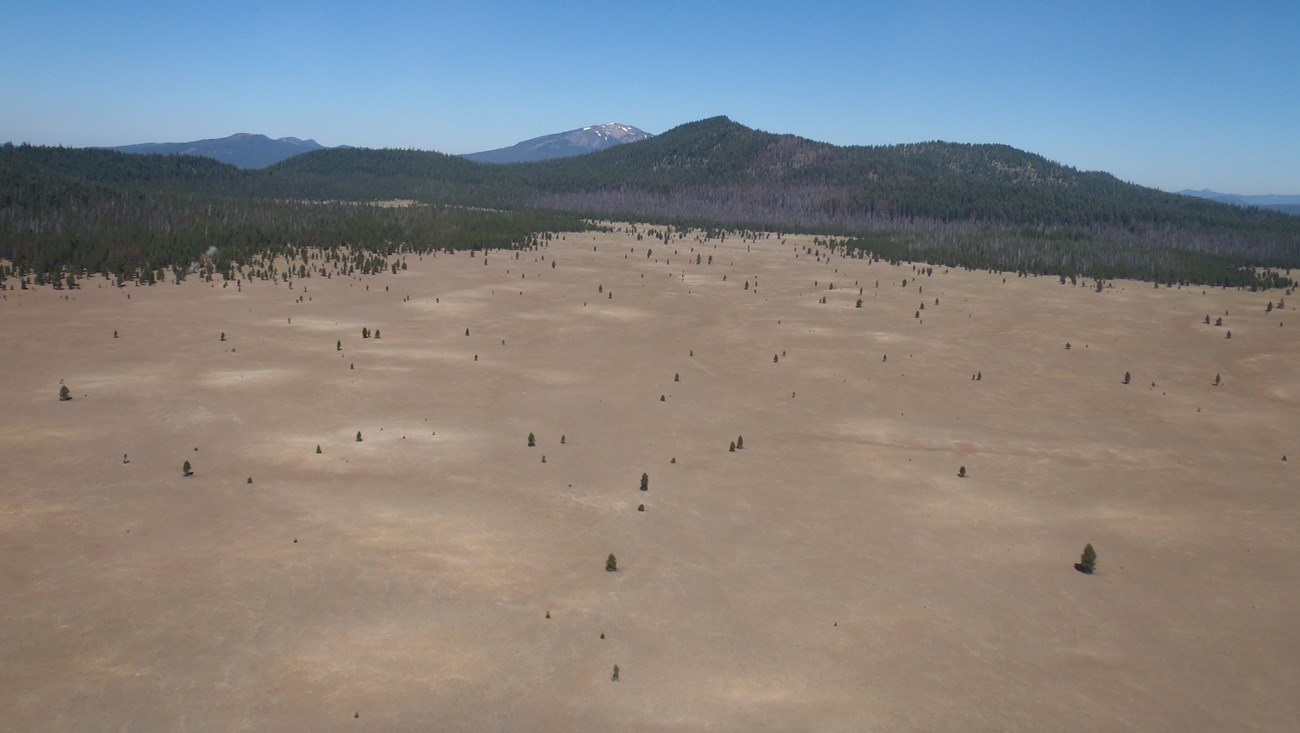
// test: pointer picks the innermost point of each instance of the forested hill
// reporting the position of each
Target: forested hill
(980, 206)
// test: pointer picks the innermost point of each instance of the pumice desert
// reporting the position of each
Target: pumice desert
(368, 542)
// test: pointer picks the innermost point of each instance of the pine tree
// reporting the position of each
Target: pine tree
(1088, 561)
(961, 472)
(65, 394)
(532, 440)
(611, 563)
(185, 469)
(645, 482)
(740, 443)
(358, 436)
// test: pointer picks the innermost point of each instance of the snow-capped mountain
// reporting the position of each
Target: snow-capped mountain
(563, 144)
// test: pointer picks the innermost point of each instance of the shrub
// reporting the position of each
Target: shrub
(532, 440)
(65, 394)
(186, 469)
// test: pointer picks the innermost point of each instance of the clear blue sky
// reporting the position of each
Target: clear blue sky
(1168, 94)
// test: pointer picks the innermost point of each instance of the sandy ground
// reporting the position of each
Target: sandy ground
(834, 575)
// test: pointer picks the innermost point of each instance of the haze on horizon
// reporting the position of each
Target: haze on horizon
(1173, 96)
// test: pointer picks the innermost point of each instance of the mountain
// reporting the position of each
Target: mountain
(243, 150)
(1287, 204)
(563, 144)
(986, 206)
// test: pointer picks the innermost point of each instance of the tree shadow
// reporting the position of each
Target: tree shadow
(1079, 566)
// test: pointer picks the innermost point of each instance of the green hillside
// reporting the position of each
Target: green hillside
(978, 206)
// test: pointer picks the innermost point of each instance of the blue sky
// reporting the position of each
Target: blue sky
(1167, 94)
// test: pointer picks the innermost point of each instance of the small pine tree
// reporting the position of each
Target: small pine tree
(677, 377)
(645, 482)
(561, 440)
(1218, 379)
(376, 333)
(65, 394)
(185, 469)
(641, 508)
(223, 335)
(318, 449)
(532, 440)
(740, 443)
(859, 305)
(732, 449)
(358, 436)
(1088, 561)
(663, 398)
(614, 676)
(1127, 377)
(338, 345)
(961, 472)
(611, 563)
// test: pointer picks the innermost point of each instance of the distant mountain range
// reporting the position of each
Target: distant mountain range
(242, 150)
(1288, 204)
(563, 144)
(247, 150)
(978, 206)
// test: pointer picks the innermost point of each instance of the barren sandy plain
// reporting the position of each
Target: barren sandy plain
(834, 575)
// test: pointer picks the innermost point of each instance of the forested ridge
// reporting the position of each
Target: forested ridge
(977, 206)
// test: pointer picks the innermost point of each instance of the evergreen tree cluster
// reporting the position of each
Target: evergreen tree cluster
(66, 211)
